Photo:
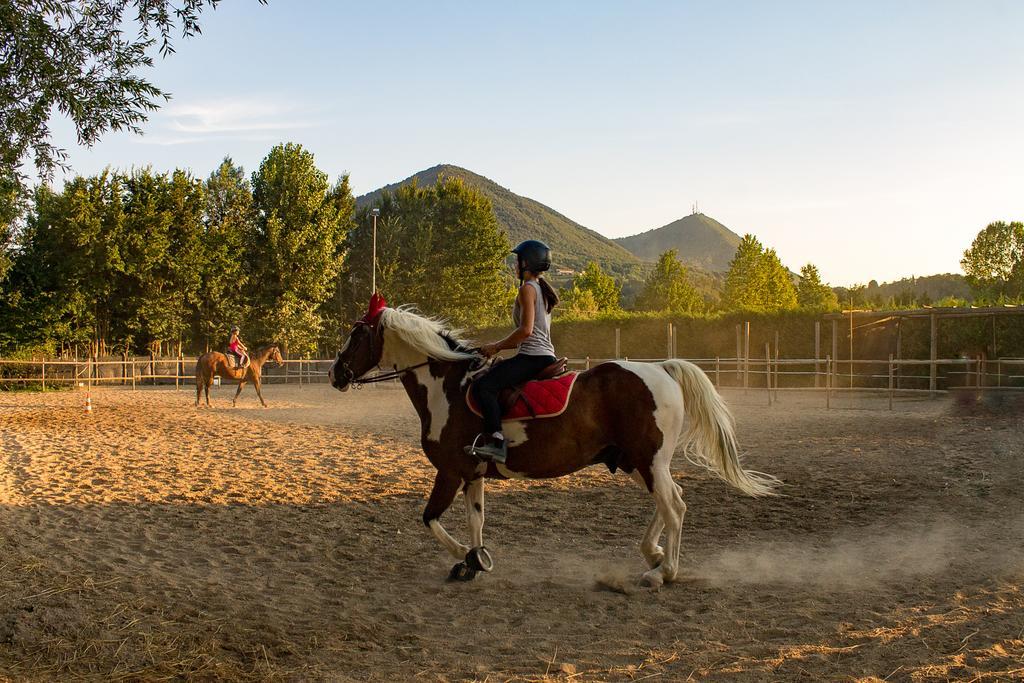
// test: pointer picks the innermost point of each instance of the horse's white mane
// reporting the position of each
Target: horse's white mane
(426, 335)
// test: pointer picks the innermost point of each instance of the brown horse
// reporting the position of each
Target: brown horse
(216, 363)
(625, 415)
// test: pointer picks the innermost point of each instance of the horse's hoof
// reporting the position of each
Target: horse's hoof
(652, 579)
(462, 572)
(479, 559)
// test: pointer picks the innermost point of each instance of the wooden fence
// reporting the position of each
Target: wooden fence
(768, 373)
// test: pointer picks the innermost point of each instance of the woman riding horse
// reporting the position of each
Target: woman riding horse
(628, 416)
(214, 363)
(531, 339)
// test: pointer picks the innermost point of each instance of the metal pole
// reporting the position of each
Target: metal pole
(374, 277)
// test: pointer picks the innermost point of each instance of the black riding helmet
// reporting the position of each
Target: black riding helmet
(534, 256)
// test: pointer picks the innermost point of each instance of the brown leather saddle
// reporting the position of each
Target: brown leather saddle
(508, 398)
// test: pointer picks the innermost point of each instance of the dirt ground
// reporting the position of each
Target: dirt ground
(149, 540)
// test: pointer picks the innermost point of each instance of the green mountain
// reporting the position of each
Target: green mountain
(702, 242)
(522, 218)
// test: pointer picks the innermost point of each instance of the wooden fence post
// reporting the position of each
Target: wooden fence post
(828, 382)
(44, 374)
(890, 381)
(718, 369)
(739, 352)
(588, 363)
(746, 356)
(776, 394)
(934, 354)
(618, 346)
(133, 373)
(817, 351)
(768, 370)
(835, 353)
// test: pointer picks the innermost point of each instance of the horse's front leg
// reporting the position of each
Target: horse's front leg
(478, 559)
(257, 383)
(446, 486)
(241, 383)
(474, 495)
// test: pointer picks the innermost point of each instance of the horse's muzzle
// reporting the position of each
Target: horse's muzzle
(341, 381)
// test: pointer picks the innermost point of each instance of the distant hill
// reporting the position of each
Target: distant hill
(702, 242)
(522, 218)
(912, 290)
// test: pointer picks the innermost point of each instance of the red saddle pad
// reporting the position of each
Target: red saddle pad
(540, 398)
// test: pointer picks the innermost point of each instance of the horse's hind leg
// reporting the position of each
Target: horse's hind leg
(441, 497)
(671, 509)
(653, 553)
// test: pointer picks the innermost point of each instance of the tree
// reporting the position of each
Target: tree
(757, 280)
(579, 303)
(74, 58)
(294, 250)
(224, 279)
(812, 293)
(994, 263)
(67, 264)
(439, 248)
(668, 288)
(601, 286)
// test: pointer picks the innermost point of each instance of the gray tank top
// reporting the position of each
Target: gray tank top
(538, 343)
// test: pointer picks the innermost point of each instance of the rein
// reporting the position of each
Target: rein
(388, 375)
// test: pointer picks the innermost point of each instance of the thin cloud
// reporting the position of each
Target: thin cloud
(236, 119)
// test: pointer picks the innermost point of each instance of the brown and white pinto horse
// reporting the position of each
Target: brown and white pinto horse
(626, 415)
(216, 363)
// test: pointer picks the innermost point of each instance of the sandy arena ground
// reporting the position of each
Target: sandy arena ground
(150, 540)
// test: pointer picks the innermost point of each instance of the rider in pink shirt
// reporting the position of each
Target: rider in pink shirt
(236, 348)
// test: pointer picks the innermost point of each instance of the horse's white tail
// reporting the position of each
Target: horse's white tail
(710, 438)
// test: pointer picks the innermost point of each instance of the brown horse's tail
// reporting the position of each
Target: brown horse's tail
(710, 439)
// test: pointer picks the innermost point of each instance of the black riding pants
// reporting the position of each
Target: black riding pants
(508, 373)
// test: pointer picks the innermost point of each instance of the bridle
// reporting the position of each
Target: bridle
(350, 377)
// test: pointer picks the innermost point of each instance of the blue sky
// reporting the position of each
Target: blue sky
(873, 139)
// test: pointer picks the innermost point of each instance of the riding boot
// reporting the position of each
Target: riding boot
(487, 447)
